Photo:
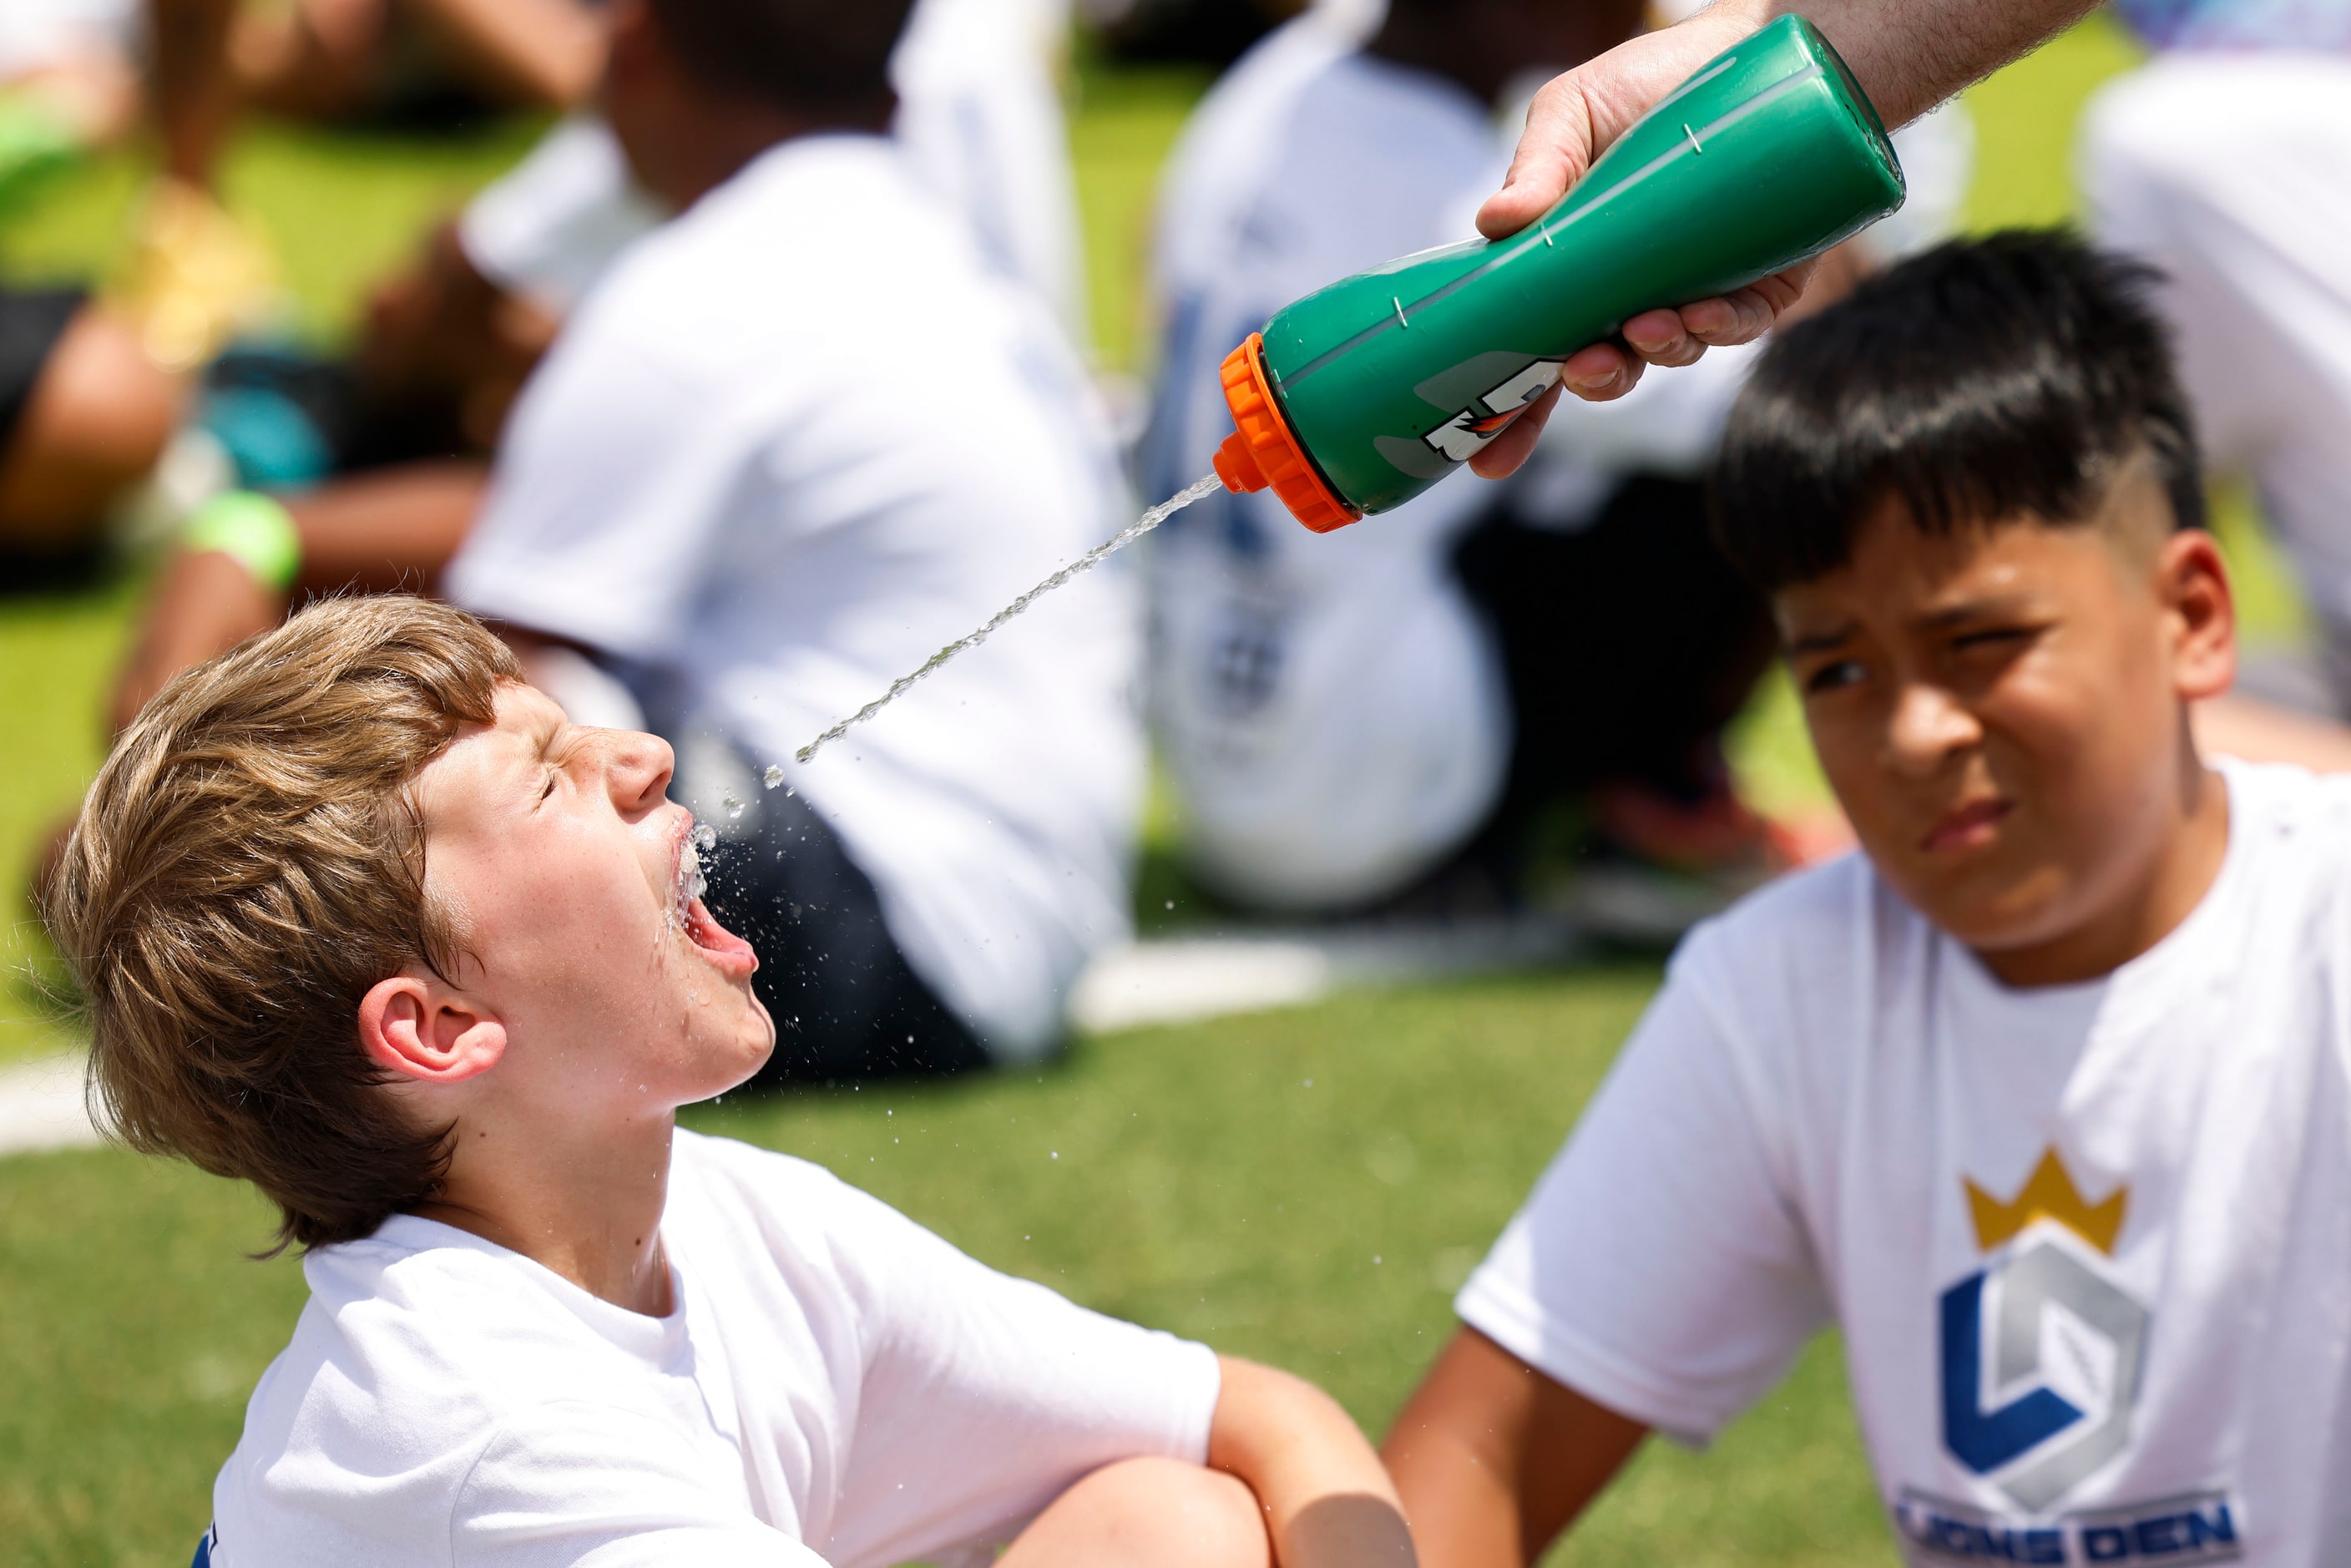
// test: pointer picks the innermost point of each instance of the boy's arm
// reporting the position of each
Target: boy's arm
(1493, 1459)
(1328, 1503)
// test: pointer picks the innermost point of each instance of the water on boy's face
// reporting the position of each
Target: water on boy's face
(1199, 488)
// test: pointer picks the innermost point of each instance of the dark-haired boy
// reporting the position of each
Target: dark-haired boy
(2041, 1099)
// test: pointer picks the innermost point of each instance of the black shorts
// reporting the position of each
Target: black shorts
(846, 1004)
(1628, 643)
(31, 323)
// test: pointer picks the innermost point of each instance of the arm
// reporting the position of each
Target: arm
(1908, 54)
(194, 92)
(1327, 1502)
(394, 529)
(1493, 1459)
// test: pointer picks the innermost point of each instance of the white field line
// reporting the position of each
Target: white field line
(41, 1107)
(1185, 979)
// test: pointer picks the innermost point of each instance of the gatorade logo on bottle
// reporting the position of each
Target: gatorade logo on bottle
(1473, 430)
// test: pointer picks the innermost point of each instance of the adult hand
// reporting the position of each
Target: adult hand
(1573, 120)
(1908, 54)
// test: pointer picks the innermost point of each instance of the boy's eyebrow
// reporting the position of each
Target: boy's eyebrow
(1973, 608)
(1821, 641)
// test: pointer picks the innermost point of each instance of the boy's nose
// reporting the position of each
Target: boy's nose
(638, 768)
(1926, 726)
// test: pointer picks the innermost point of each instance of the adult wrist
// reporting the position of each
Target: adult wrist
(251, 529)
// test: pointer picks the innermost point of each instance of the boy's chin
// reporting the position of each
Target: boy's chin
(758, 1041)
(1989, 912)
(2003, 928)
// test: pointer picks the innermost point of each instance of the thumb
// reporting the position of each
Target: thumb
(1553, 152)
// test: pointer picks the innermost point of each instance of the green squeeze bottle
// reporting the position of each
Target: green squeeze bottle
(1361, 395)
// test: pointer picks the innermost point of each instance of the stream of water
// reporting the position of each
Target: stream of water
(1207, 485)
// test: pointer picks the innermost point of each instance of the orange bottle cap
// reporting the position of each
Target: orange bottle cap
(1262, 451)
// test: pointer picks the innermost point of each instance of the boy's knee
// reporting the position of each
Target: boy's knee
(95, 422)
(1153, 1511)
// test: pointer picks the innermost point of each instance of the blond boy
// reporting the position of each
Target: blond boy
(364, 920)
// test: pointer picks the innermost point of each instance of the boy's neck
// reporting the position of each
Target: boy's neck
(2172, 882)
(586, 1208)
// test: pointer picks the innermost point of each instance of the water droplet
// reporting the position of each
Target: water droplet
(1170, 904)
(1056, 1154)
(773, 776)
(1207, 484)
(734, 807)
(706, 837)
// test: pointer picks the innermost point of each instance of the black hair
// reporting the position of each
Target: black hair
(825, 58)
(1983, 379)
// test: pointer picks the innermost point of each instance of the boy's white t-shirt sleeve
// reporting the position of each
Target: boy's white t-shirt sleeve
(1660, 1268)
(985, 1396)
(585, 1485)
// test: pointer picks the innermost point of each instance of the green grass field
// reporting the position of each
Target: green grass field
(1305, 1187)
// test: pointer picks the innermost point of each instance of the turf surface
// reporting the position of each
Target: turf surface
(1306, 1187)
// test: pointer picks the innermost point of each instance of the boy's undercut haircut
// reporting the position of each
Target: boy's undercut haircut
(1981, 381)
(825, 58)
(249, 864)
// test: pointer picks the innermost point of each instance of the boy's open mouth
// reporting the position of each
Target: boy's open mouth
(729, 952)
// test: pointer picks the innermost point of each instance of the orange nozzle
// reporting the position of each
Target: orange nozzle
(1262, 451)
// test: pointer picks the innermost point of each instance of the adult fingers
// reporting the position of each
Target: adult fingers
(1601, 372)
(1746, 314)
(1513, 446)
(1663, 338)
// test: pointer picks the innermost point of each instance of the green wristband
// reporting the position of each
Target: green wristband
(254, 531)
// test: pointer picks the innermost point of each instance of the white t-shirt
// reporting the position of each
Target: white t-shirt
(2090, 1245)
(798, 439)
(1331, 707)
(979, 116)
(36, 35)
(549, 227)
(835, 1384)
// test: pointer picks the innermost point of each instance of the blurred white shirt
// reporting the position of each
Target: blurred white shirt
(796, 440)
(979, 114)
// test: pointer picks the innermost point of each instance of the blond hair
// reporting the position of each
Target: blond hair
(248, 863)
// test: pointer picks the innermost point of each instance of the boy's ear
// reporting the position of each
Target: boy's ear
(417, 1030)
(2192, 580)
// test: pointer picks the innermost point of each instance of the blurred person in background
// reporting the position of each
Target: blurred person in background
(68, 83)
(403, 430)
(738, 489)
(1388, 716)
(197, 275)
(2224, 162)
(84, 414)
(730, 507)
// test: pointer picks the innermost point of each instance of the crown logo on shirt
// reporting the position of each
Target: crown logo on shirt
(2048, 1193)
